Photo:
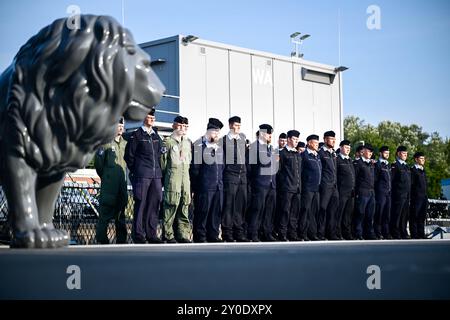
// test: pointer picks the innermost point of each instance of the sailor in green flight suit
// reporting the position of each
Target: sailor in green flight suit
(177, 189)
(111, 168)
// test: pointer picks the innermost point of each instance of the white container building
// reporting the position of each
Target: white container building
(209, 79)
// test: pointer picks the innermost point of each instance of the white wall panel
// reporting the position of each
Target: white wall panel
(283, 97)
(304, 105)
(193, 89)
(322, 108)
(241, 91)
(217, 85)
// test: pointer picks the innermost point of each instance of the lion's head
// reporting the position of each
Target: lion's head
(67, 88)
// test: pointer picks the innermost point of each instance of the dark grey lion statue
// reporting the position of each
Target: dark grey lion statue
(60, 99)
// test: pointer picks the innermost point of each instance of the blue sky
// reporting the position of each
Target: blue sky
(400, 72)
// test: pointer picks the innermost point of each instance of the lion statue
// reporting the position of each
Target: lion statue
(60, 99)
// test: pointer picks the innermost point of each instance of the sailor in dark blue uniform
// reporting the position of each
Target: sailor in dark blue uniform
(301, 146)
(329, 197)
(206, 181)
(289, 188)
(365, 195)
(401, 188)
(358, 151)
(282, 141)
(346, 189)
(263, 180)
(235, 183)
(142, 155)
(382, 195)
(310, 200)
(419, 198)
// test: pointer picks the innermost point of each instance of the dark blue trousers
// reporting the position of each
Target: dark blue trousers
(147, 195)
(382, 214)
(235, 205)
(207, 215)
(326, 218)
(365, 210)
(307, 223)
(289, 207)
(344, 215)
(417, 216)
(399, 216)
(262, 212)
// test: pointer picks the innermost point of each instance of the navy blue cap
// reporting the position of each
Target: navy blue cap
(214, 123)
(313, 137)
(293, 133)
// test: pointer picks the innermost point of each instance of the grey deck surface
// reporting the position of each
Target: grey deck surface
(413, 269)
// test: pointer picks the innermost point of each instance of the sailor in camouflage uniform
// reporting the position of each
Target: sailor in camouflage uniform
(111, 168)
(177, 189)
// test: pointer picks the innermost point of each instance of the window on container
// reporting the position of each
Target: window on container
(317, 76)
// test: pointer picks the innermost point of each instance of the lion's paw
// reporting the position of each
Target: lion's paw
(40, 238)
(29, 239)
(56, 238)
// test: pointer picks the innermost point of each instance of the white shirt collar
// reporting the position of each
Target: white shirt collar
(212, 145)
(261, 141)
(149, 131)
(330, 150)
(418, 166)
(344, 157)
(232, 135)
(383, 161)
(289, 148)
(311, 151)
(401, 161)
(365, 160)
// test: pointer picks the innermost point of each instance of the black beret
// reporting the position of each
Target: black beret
(152, 111)
(329, 134)
(178, 119)
(384, 148)
(359, 148)
(301, 144)
(401, 149)
(419, 154)
(313, 137)
(234, 119)
(266, 127)
(368, 147)
(345, 143)
(214, 123)
(122, 120)
(293, 133)
(185, 120)
(282, 136)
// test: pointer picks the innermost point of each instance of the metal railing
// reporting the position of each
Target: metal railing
(76, 211)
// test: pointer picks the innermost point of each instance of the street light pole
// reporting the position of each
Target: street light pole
(297, 41)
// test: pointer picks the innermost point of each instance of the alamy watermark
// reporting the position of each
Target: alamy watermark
(374, 20)
(73, 281)
(73, 21)
(374, 280)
